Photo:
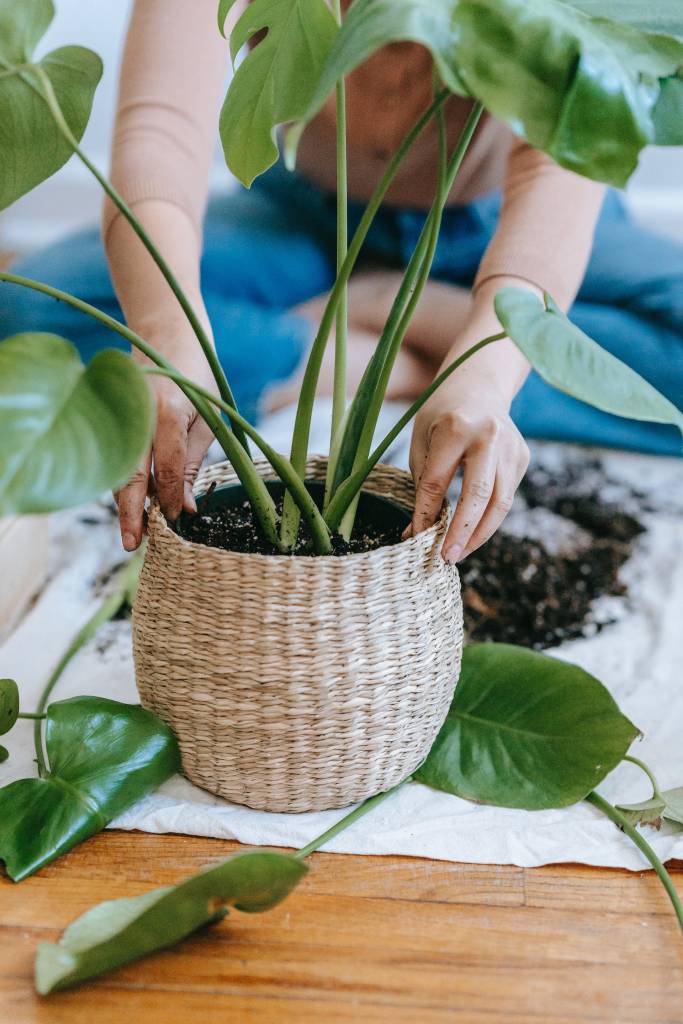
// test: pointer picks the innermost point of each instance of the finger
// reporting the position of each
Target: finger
(440, 465)
(502, 497)
(477, 487)
(198, 441)
(131, 505)
(170, 454)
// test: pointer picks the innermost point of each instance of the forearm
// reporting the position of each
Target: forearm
(148, 303)
(500, 369)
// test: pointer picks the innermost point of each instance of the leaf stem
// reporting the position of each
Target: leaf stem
(341, 336)
(302, 423)
(261, 501)
(185, 304)
(665, 878)
(366, 406)
(30, 716)
(349, 819)
(656, 792)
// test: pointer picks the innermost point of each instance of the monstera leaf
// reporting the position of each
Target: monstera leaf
(526, 730)
(103, 756)
(118, 931)
(572, 362)
(275, 81)
(589, 91)
(67, 431)
(33, 147)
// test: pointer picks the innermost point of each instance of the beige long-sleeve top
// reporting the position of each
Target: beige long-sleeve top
(172, 78)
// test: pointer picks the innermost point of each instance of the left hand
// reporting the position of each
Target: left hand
(468, 427)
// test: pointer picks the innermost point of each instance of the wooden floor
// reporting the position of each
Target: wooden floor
(364, 939)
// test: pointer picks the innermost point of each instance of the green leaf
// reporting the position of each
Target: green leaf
(67, 432)
(572, 362)
(275, 81)
(665, 16)
(103, 756)
(583, 89)
(526, 730)
(116, 932)
(9, 704)
(224, 8)
(651, 812)
(33, 147)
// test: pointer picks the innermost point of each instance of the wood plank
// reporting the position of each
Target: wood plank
(363, 939)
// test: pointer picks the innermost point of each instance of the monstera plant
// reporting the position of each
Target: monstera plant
(590, 83)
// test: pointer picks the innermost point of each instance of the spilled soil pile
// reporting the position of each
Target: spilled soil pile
(537, 580)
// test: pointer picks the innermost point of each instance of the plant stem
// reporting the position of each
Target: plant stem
(349, 819)
(302, 424)
(665, 878)
(416, 276)
(259, 497)
(656, 792)
(125, 587)
(30, 716)
(185, 304)
(345, 494)
(281, 465)
(341, 336)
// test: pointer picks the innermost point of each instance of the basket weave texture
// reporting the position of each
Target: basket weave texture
(299, 683)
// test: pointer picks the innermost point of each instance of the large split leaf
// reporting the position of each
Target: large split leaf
(103, 757)
(32, 146)
(668, 806)
(572, 362)
(526, 730)
(118, 931)
(275, 81)
(67, 432)
(582, 88)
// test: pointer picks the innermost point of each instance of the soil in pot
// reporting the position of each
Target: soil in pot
(224, 520)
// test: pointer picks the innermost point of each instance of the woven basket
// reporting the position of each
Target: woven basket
(299, 683)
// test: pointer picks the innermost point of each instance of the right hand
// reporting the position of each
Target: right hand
(181, 440)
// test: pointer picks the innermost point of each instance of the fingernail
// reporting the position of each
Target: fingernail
(454, 554)
(408, 532)
(129, 541)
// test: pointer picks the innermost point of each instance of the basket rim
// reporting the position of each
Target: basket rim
(158, 523)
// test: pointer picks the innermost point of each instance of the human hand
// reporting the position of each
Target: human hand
(181, 440)
(472, 429)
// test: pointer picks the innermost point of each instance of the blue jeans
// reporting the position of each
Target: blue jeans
(273, 247)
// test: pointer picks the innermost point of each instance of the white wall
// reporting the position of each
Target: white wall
(71, 199)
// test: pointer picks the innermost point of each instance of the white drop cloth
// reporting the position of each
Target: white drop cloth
(639, 657)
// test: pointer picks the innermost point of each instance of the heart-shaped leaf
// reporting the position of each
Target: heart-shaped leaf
(116, 932)
(103, 757)
(275, 81)
(668, 805)
(582, 88)
(526, 730)
(67, 432)
(572, 362)
(33, 147)
(9, 704)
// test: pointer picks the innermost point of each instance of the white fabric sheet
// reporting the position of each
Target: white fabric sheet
(639, 657)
